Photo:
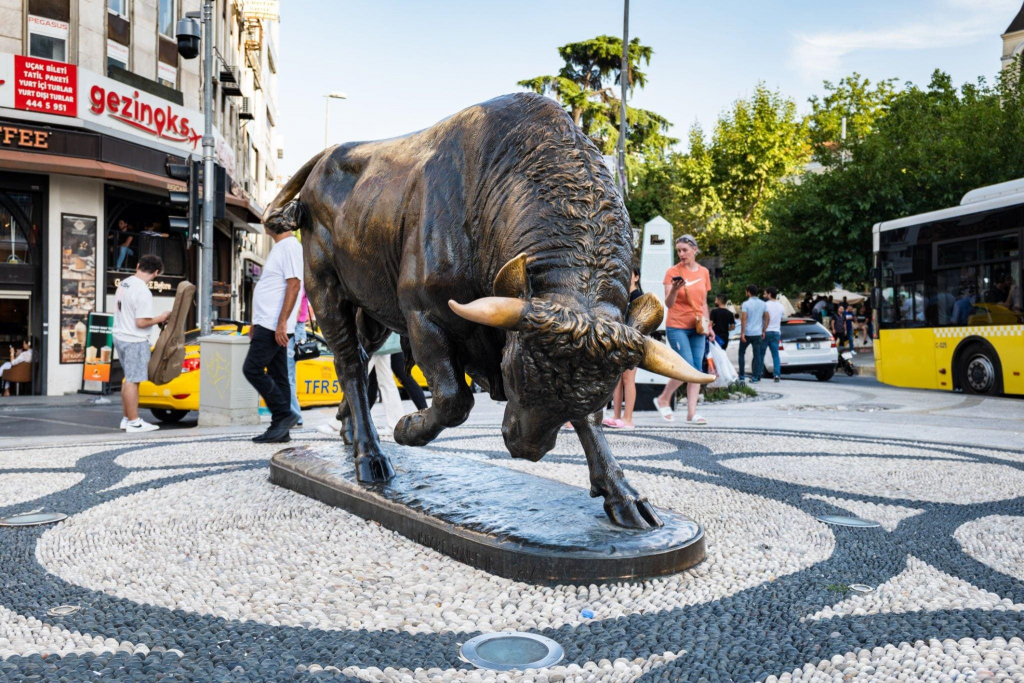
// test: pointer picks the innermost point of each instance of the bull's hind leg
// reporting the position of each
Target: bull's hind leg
(624, 506)
(338, 323)
(451, 399)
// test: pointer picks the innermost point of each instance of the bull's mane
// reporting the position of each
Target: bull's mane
(573, 355)
(559, 202)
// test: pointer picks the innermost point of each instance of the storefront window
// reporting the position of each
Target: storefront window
(15, 236)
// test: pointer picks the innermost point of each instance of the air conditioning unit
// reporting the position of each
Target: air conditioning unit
(245, 110)
(230, 81)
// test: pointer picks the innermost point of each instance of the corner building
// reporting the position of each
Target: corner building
(94, 102)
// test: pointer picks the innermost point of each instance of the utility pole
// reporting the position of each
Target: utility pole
(209, 179)
(624, 82)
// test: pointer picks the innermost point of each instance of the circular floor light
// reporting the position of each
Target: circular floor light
(839, 520)
(63, 610)
(509, 650)
(33, 519)
(861, 588)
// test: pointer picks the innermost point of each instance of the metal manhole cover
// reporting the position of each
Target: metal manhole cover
(63, 610)
(839, 520)
(33, 519)
(510, 650)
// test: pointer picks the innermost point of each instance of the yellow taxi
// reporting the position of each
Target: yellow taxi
(316, 381)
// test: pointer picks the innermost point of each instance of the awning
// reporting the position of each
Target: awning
(244, 214)
(30, 162)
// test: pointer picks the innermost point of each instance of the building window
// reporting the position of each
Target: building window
(118, 7)
(47, 38)
(117, 54)
(166, 18)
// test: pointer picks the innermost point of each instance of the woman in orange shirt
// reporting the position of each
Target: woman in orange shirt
(686, 297)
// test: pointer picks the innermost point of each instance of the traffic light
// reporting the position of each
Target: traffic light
(187, 204)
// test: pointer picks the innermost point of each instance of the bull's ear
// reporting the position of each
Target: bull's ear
(512, 280)
(645, 313)
(661, 360)
(493, 311)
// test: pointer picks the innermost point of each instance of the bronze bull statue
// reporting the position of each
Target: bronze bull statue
(497, 243)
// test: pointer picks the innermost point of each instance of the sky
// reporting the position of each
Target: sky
(406, 64)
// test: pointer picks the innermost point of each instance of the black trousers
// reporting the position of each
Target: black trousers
(408, 383)
(272, 385)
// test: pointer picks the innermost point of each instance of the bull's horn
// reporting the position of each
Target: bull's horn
(493, 311)
(661, 360)
(645, 313)
(512, 280)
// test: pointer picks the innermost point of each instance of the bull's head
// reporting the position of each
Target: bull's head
(564, 360)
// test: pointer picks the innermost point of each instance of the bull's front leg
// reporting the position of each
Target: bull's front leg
(450, 397)
(624, 506)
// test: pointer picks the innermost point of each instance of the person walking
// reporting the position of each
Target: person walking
(686, 297)
(849, 319)
(133, 318)
(380, 378)
(753, 316)
(773, 330)
(722, 321)
(273, 326)
(300, 338)
(624, 397)
(838, 327)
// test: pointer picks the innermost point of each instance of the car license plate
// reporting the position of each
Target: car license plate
(847, 355)
(808, 345)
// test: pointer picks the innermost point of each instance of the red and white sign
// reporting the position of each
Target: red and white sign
(127, 106)
(45, 86)
(47, 27)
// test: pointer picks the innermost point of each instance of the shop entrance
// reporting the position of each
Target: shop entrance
(21, 249)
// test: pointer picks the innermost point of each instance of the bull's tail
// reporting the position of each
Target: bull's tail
(283, 214)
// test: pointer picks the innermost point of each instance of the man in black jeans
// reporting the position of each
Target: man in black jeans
(273, 324)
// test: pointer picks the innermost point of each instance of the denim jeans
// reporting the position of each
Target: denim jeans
(688, 344)
(771, 343)
(300, 336)
(756, 345)
(123, 252)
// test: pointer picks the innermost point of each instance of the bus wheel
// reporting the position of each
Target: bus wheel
(979, 371)
(168, 416)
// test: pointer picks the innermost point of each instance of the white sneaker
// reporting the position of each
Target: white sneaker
(124, 423)
(140, 426)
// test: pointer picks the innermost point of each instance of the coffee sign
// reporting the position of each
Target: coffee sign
(15, 136)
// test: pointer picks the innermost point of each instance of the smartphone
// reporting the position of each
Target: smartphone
(677, 279)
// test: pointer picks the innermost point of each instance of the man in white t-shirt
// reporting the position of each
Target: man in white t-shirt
(773, 329)
(273, 324)
(133, 318)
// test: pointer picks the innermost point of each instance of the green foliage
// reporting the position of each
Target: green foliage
(861, 104)
(726, 393)
(584, 86)
(838, 588)
(932, 146)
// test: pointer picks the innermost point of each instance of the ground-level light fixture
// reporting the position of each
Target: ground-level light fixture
(33, 519)
(510, 650)
(839, 520)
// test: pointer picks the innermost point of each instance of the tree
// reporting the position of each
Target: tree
(584, 87)
(934, 145)
(861, 104)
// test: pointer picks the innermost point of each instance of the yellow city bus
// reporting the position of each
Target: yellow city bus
(947, 295)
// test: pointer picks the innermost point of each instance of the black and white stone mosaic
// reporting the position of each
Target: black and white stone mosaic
(187, 564)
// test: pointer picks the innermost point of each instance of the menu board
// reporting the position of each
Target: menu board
(46, 86)
(99, 349)
(77, 284)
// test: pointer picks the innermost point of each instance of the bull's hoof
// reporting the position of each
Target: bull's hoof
(631, 513)
(374, 469)
(411, 430)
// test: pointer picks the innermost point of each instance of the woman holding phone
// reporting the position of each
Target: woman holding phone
(687, 327)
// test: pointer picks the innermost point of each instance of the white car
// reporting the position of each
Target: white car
(805, 346)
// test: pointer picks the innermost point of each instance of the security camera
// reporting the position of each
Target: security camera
(188, 38)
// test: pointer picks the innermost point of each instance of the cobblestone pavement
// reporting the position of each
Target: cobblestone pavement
(185, 562)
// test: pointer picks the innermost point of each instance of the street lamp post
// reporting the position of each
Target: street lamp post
(336, 95)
